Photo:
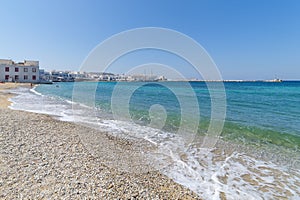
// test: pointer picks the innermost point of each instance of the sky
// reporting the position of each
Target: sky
(247, 39)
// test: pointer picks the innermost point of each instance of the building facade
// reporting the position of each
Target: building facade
(24, 72)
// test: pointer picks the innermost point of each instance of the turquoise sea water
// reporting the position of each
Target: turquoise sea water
(257, 112)
(257, 155)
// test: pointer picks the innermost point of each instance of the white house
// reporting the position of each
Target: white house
(25, 72)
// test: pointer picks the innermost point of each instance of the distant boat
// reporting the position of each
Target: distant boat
(276, 80)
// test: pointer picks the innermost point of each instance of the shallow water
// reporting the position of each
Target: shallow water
(256, 157)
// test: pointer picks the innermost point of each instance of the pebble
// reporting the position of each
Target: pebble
(43, 158)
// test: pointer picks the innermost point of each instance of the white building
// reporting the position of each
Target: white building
(61, 76)
(44, 75)
(26, 72)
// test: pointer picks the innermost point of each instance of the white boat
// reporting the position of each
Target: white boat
(276, 80)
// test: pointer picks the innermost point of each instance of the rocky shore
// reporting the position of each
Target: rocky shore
(43, 158)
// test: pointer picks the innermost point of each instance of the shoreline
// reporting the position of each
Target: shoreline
(229, 167)
(42, 157)
(5, 95)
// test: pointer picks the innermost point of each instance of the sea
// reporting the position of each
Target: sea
(255, 156)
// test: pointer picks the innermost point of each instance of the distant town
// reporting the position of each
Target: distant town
(29, 72)
(71, 76)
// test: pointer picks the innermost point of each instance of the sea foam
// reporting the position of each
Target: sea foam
(210, 173)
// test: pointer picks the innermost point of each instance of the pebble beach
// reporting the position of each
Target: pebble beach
(43, 158)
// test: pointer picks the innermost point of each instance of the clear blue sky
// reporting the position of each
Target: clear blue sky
(247, 39)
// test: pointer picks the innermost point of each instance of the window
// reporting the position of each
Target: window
(7, 69)
(33, 77)
(6, 77)
(25, 69)
(33, 69)
(16, 69)
(16, 77)
(25, 77)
